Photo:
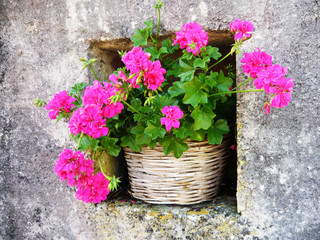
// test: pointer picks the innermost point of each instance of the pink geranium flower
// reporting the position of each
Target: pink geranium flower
(136, 60)
(113, 78)
(60, 102)
(89, 120)
(269, 76)
(241, 29)
(172, 114)
(73, 167)
(94, 94)
(112, 109)
(255, 62)
(95, 190)
(154, 76)
(192, 37)
(282, 91)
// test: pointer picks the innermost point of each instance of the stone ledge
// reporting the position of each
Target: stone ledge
(125, 218)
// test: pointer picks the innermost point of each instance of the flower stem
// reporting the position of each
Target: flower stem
(220, 60)
(130, 106)
(93, 72)
(242, 83)
(158, 29)
(82, 135)
(240, 91)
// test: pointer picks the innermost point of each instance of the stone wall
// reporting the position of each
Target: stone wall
(41, 43)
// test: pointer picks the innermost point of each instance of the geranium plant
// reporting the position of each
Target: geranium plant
(166, 93)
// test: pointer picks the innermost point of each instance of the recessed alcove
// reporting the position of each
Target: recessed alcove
(108, 60)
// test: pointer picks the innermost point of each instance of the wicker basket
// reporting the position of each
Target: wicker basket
(193, 178)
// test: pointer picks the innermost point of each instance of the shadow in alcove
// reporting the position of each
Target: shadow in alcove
(106, 52)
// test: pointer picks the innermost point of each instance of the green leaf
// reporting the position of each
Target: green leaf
(186, 71)
(138, 129)
(198, 135)
(210, 80)
(141, 37)
(130, 141)
(140, 136)
(168, 45)
(176, 89)
(199, 62)
(194, 93)
(143, 139)
(155, 130)
(152, 144)
(149, 24)
(163, 50)
(213, 52)
(160, 101)
(144, 109)
(136, 103)
(222, 126)
(87, 143)
(174, 71)
(154, 52)
(216, 132)
(212, 102)
(110, 144)
(137, 117)
(187, 55)
(175, 145)
(202, 117)
(78, 103)
(183, 131)
(78, 87)
(75, 137)
(223, 83)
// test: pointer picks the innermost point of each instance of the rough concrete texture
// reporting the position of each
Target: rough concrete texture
(278, 155)
(41, 42)
(138, 220)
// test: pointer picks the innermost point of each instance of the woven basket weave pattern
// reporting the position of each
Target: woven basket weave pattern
(193, 178)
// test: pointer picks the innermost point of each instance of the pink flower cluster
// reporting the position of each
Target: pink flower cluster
(139, 65)
(172, 114)
(269, 77)
(255, 62)
(78, 171)
(192, 37)
(60, 102)
(91, 119)
(136, 60)
(241, 29)
(96, 189)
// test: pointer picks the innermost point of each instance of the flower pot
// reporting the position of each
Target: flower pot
(110, 164)
(193, 178)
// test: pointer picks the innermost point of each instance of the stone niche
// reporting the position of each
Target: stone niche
(106, 52)
(126, 217)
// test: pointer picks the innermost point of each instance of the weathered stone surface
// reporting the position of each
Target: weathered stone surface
(278, 164)
(41, 42)
(126, 219)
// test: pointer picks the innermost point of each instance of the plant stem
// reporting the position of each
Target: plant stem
(93, 72)
(220, 60)
(240, 91)
(158, 29)
(122, 100)
(82, 135)
(242, 83)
